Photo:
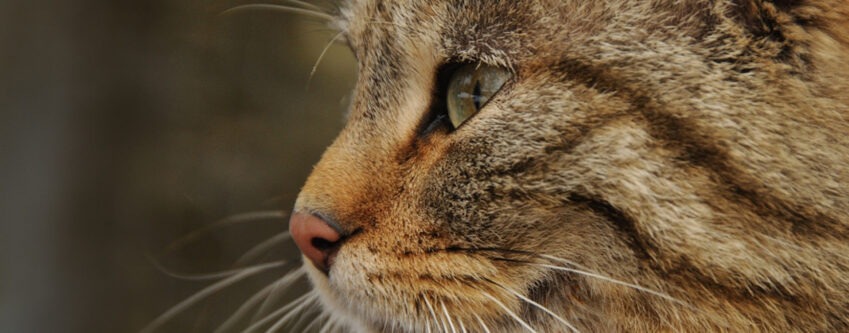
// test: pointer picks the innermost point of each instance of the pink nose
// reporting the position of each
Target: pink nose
(317, 240)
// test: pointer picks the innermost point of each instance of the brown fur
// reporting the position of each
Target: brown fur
(695, 148)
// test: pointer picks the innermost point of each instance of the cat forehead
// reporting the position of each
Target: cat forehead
(505, 29)
(490, 31)
(394, 40)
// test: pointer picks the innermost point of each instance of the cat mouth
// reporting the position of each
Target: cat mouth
(435, 290)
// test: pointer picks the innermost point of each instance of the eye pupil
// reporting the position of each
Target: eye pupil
(470, 88)
(476, 95)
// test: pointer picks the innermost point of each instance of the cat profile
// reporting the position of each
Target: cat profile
(647, 166)
(585, 166)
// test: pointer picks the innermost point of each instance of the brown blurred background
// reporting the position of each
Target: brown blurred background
(126, 124)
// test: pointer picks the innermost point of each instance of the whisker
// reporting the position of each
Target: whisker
(418, 306)
(280, 8)
(586, 272)
(462, 327)
(306, 310)
(242, 310)
(615, 281)
(433, 313)
(262, 247)
(298, 302)
(296, 310)
(283, 282)
(266, 303)
(321, 56)
(448, 317)
(318, 319)
(510, 313)
(483, 326)
(307, 5)
(206, 276)
(329, 325)
(649, 291)
(539, 306)
(212, 289)
(227, 221)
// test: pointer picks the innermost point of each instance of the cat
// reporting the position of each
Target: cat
(585, 166)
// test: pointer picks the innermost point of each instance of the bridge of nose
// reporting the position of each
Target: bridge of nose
(361, 184)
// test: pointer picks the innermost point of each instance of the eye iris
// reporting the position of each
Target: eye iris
(470, 88)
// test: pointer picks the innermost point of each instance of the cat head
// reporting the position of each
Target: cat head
(615, 165)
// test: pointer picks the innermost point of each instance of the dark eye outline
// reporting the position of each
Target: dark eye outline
(466, 95)
(436, 117)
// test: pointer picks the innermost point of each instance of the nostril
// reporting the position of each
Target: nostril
(322, 244)
(317, 239)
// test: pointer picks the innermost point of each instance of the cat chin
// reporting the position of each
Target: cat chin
(331, 302)
(360, 318)
(354, 317)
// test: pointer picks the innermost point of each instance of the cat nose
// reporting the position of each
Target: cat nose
(317, 238)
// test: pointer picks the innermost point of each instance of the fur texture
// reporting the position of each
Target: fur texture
(651, 166)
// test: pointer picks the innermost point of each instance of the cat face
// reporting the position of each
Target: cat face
(641, 166)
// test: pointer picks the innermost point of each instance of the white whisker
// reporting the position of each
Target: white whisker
(510, 313)
(615, 281)
(321, 56)
(298, 302)
(318, 319)
(585, 271)
(308, 308)
(230, 321)
(262, 247)
(329, 325)
(296, 310)
(268, 300)
(483, 326)
(281, 8)
(433, 313)
(306, 5)
(539, 306)
(212, 289)
(448, 317)
(206, 276)
(227, 221)
(283, 282)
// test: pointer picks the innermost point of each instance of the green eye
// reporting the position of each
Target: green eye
(470, 87)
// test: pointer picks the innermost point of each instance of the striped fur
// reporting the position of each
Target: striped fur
(652, 166)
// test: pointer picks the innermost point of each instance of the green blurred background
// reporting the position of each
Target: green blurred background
(127, 124)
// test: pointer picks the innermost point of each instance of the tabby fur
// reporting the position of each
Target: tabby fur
(692, 156)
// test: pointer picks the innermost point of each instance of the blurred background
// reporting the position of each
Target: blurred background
(125, 125)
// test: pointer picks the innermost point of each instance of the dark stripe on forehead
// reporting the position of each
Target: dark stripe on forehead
(381, 69)
(701, 149)
(383, 76)
(389, 47)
